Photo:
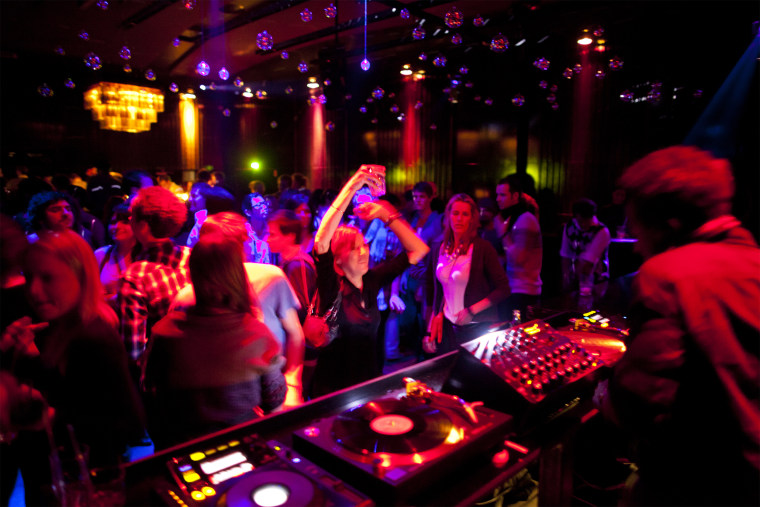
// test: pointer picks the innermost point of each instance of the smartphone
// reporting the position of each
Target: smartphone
(379, 171)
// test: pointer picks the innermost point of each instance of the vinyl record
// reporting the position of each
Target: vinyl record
(272, 487)
(391, 426)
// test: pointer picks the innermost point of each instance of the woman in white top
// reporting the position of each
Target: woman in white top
(114, 258)
(465, 280)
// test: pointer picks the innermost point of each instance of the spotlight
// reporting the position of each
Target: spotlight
(406, 70)
(313, 83)
(585, 39)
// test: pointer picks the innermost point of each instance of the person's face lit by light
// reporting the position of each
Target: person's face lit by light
(276, 240)
(460, 217)
(505, 197)
(119, 228)
(304, 214)
(59, 216)
(355, 262)
(421, 201)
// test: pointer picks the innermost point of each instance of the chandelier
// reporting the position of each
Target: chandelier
(125, 108)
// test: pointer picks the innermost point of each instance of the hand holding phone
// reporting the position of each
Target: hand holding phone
(376, 178)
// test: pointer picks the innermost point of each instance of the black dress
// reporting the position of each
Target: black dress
(352, 357)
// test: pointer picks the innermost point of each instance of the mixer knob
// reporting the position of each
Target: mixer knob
(525, 366)
(553, 379)
(584, 364)
(533, 363)
(537, 388)
(515, 373)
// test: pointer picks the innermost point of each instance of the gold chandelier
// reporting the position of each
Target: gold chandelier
(125, 108)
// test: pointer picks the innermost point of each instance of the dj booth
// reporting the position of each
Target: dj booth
(447, 431)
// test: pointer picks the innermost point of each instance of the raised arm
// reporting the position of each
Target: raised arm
(334, 213)
(415, 248)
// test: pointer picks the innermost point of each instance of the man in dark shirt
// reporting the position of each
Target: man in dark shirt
(687, 389)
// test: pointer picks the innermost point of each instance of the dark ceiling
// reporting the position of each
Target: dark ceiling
(690, 41)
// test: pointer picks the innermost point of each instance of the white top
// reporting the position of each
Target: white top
(454, 273)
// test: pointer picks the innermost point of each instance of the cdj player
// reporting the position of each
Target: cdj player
(252, 472)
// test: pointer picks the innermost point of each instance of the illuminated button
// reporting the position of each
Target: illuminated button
(222, 448)
(209, 452)
(197, 456)
(233, 443)
(185, 468)
(208, 491)
(191, 476)
(197, 496)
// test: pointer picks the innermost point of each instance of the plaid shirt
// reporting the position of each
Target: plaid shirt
(147, 288)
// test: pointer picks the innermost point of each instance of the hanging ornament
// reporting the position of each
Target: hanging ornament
(454, 18)
(543, 84)
(330, 126)
(616, 63)
(150, 75)
(60, 51)
(478, 21)
(518, 100)
(401, 117)
(84, 35)
(365, 65)
(175, 42)
(69, 83)
(555, 106)
(261, 94)
(378, 93)
(567, 73)
(600, 74)
(423, 56)
(212, 86)
(312, 100)
(456, 39)
(321, 98)
(45, 90)
(238, 82)
(189, 4)
(433, 126)
(284, 55)
(288, 90)
(394, 108)
(373, 121)
(439, 61)
(598, 32)
(577, 68)
(127, 68)
(264, 41)
(363, 109)
(404, 13)
(273, 124)
(370, 100)
(303, 67)
(202, 69)
(697, 94)
(103, 4)
(542, 63)
(306, 15)
(499, 44)
(173, 87)
(553, 88)
(226, 112)
(469, 84)
(418, 33)
(125, 53)
(418, 105)
(551, 98)
(626, 96)
(224, 74)
(331, 11)
(488, 101)
(92, 61)
(464, 70)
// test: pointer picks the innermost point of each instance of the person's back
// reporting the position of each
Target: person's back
(691, 371)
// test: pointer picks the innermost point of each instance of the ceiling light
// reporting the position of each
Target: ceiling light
(520, 42)
(124, 108)
(247, 93)
(312, 83)
(406, 70)
(585, 39)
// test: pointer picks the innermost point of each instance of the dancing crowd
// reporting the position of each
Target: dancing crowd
(167, 319)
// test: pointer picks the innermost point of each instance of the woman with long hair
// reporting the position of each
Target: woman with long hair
(114, 258)
(216, 364)
(71, 352)
(465, 280)
(342, 260)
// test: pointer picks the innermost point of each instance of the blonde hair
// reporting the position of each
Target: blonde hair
(470, 233)
(72, 250)
(343, 241)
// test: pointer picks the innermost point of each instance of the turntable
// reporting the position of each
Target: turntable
(392, 448)
(252, 472)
